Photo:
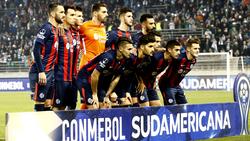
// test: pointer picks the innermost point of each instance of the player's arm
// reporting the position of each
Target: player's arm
(110, 43)
(141, 86)
(94, 81)
(42, 36)
(113, 84)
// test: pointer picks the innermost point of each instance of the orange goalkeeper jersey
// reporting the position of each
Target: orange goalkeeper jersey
(93, 38)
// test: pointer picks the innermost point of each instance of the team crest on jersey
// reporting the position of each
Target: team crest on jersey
(67, 46)
(154, 73)
(104, 62)
(41, 95)
(74, 42)
(41, 34)
(56, 45)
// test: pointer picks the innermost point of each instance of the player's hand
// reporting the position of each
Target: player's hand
(141, 88)
(106, 102)
(113, 97)
(95, 101)
(42, 78)
(128, 98)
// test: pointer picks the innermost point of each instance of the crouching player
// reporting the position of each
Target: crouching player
(178, 68)
(159, 61)
(95, 80)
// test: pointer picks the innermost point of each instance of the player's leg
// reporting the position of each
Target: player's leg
(143, 98)
(32, 80)
(51, 91)
(80, 86)
(103, 86)
(153, 97)
(72, 100)
(180, 96)
(84, 86)
(60, 95)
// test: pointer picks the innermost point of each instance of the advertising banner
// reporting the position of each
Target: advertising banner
(185, 122)
(14, 84)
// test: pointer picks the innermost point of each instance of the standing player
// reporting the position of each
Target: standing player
(96, 79)
(45, 51)
(64, 69)
(93, 36)
(159, 61)
(176, 71)
(148, 24)
(126, 21)
(93, 33)
(77, 46)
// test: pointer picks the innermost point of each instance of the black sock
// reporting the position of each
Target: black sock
(39, 107)
(47, 109)
(136, 105)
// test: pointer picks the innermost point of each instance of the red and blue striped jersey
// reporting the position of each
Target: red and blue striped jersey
(149, 72)
(113, 37)
(64, 69)
(136, 37)
(106, 63)
(77, 48)
(45, 49)
(177, 70)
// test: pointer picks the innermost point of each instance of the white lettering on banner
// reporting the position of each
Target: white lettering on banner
(144, 126)
(205, 83)
(96, 129)
(13, 85)
(180, 123)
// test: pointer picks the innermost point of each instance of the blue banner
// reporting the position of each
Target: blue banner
(186, 122)
(14, 84)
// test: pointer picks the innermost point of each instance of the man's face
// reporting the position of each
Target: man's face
(149, 24)
(59, 14)
(78, 18)
(70, 17)
(126, 50)
(128, 18)
(157, 41)
(194, 50)
(175, 51)
(148, 49)
(102, 14)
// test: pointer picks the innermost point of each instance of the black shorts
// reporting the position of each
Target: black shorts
(42, 92)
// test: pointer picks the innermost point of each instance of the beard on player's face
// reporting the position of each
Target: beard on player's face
(59, 20)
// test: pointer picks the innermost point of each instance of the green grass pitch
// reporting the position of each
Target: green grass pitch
(20, 102)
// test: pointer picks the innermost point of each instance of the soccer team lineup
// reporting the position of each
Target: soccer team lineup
(118, 68)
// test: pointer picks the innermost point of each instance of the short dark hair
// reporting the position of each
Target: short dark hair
(124, 40)
(155, 33)
(124, 10)
(172, 43)
(97, 6)
(191, 41)
(78, 8)
(67, 7)
(144, 17)
(53, 6)
(145, 39)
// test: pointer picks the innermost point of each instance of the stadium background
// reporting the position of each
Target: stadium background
(221, 25)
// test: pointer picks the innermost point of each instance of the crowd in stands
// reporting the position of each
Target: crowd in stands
(225, 22)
